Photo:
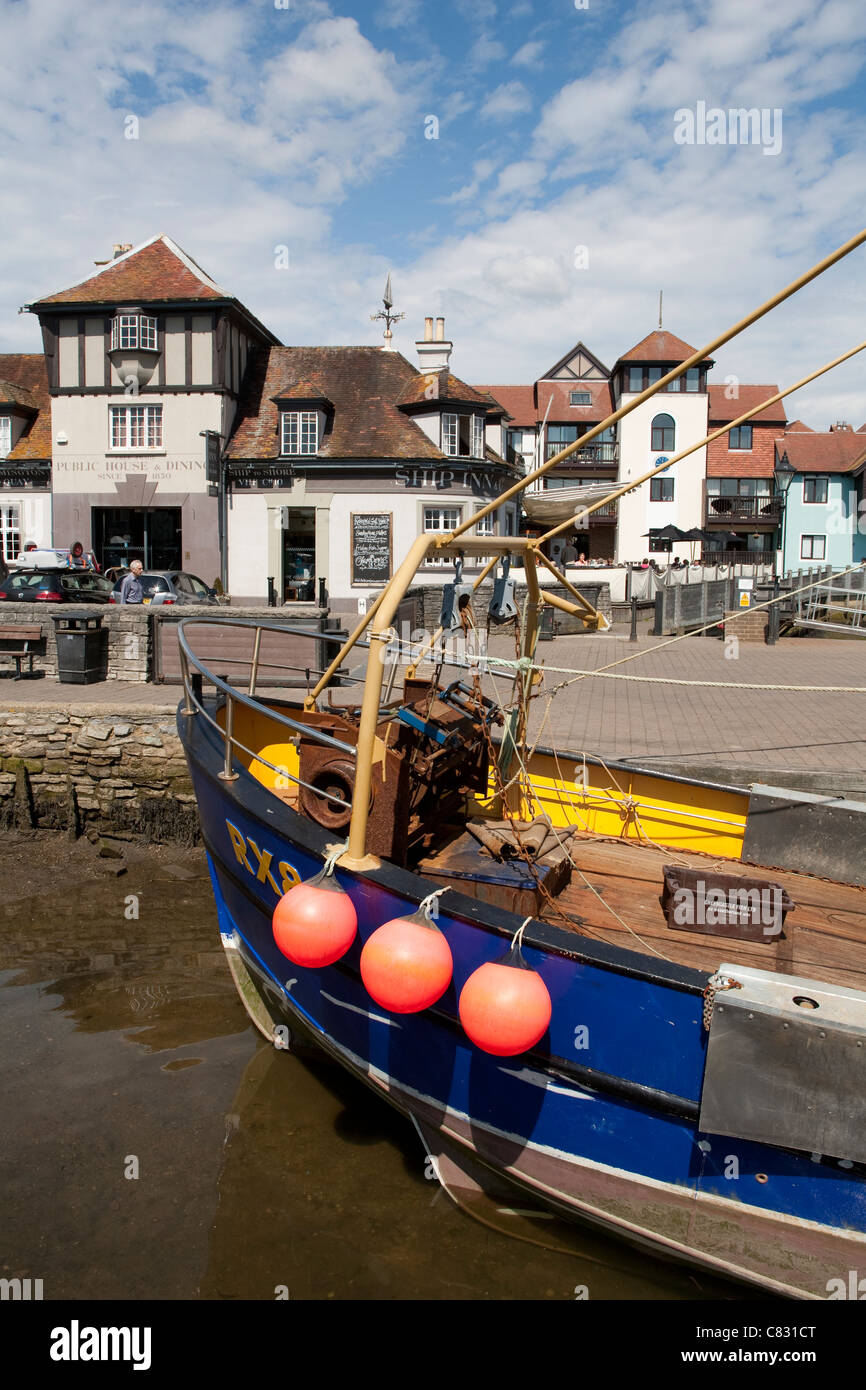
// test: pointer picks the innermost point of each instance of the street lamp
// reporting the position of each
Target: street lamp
(784, 475)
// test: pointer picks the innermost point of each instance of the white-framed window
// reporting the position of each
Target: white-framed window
(10, 531)
(813, 547)
(136, 426)
(133, 331)
(485, 527)
(477, 437)
(449, 434)
(5, 435)
(300, 432)
(815, 490)
(441, 519)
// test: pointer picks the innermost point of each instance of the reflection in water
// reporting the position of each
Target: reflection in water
(257, 1170)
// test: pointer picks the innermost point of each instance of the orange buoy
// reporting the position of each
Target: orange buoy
(315, 922)
(504, 1006)
(406, 964)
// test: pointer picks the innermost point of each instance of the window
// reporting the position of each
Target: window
(661, 489)
(300, 432)
(693, 379)
(815, 489)
(663, 433)
(559, 437)
(484, 527)
(10, 532)
(463, 436)
(635, 379)
(449, 434)
(740, 437)
(653, 375)
(5, 435)
(133, 331)
(441, 519)
(136, 426)
(514, 440)
(477, 437)
(813, 547)
(580, 398)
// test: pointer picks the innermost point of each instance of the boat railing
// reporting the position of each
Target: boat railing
(195, 672)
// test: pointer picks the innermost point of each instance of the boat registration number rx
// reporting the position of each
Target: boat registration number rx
(246, 850)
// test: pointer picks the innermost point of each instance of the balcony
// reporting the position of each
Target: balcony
(604, 455)
(764, 510)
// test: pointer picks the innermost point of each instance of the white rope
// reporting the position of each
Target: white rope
(335, 852)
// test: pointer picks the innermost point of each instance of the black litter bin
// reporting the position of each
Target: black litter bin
(82, 648)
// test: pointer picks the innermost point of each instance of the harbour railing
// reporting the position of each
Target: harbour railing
(195, 672)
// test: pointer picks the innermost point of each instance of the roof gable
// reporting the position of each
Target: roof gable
(659, 346)
(156, 271)
(578, 364)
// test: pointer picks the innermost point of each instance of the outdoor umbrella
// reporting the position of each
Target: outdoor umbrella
(667, 533)
(695, 534)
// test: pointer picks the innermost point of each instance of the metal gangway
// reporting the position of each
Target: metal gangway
(837, 604)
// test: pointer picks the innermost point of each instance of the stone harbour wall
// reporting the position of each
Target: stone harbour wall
(74, 769)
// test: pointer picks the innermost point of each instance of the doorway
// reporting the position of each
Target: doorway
(152, 535)
(299, 555)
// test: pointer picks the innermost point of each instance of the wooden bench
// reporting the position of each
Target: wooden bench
(23, 636)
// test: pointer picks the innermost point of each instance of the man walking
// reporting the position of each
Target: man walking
(131, 590)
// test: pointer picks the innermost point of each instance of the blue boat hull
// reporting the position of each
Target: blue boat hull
(599, 1121)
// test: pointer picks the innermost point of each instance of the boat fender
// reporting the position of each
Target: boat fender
(315, 923)
(504, 1006)
(406, 964)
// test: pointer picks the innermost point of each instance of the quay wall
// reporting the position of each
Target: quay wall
(75, 769)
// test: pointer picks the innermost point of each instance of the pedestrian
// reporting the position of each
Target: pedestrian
(131, 590)
(77, 557)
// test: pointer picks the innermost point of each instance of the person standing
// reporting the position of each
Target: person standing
(131, 590)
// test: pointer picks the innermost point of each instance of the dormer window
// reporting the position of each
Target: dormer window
(463, 436)
(133, 331)
(300, 432)
(580, 398)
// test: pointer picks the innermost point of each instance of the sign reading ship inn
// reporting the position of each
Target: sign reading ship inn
(479, 479)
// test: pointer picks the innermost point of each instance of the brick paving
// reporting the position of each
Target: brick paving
(696, 728)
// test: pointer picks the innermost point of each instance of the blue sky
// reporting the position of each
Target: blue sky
(304, 126)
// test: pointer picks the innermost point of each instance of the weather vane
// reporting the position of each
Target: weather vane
(389, 318)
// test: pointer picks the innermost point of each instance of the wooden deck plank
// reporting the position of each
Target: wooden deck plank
(824, 936)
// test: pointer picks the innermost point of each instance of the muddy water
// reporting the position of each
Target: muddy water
(153, 1146)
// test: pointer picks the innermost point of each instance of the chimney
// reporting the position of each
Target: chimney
(434, 353)
(120, 248)
(842, 425)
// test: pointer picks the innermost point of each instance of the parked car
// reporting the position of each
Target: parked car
(171, 586)
(54, 556)
(55, 586)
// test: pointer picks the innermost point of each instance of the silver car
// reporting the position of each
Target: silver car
(170, 586)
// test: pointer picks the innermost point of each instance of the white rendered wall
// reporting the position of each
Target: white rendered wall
(637, 514)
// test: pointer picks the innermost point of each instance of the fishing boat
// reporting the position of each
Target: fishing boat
(568, 972)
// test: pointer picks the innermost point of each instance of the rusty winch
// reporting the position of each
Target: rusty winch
(431, 753)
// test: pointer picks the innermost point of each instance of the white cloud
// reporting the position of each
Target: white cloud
(509, 99)
(398, 14)
(484, 51)
(528, 56)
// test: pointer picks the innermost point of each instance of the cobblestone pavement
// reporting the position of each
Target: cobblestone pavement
(710, 725)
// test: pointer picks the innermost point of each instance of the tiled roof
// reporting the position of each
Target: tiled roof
(365, 385)
(26, 372)
(517, 401)
(448, 388)
(659, 346)
(562, 411)
(722, 409)
(12, 394)
(837, 451)
(155, 272)
(798, 426)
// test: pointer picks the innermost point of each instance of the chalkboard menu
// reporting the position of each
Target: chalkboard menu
(371, 547)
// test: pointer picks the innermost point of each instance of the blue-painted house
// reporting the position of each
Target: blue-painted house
(825, 512)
